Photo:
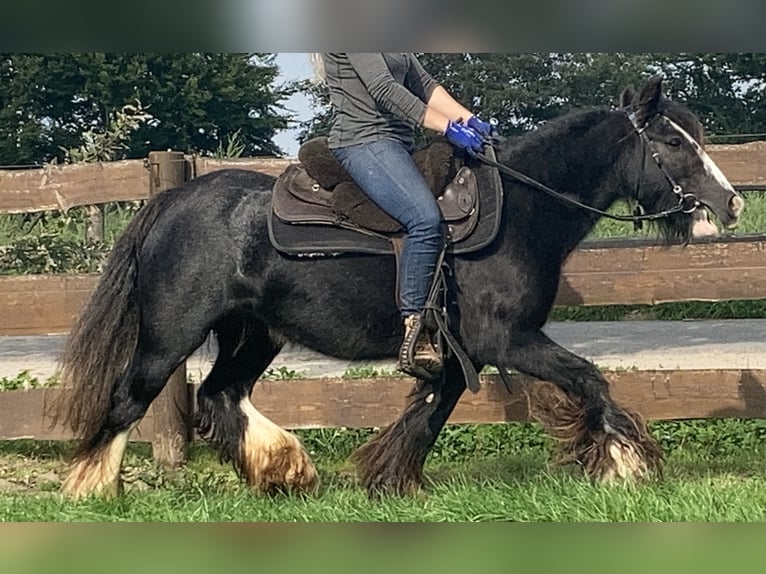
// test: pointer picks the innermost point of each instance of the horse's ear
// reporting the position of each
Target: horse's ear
(626, 97)
(648, 104)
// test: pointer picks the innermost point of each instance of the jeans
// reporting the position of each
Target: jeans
(386, 173)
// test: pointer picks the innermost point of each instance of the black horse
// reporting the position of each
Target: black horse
(198, 260)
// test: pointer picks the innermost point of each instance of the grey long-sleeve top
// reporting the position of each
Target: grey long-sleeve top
(375, 96)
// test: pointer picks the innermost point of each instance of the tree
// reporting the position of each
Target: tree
(725, 90)
(525, 90)
(197, 100)
(319, 125)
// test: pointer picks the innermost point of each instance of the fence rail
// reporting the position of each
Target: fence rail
(377, 402)
(603, 273)
(599, 273)
(66, 186)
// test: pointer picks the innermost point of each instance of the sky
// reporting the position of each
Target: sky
(293, 66)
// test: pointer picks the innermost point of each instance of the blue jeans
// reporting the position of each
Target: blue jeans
(386, 173)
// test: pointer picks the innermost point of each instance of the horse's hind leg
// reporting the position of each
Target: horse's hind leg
(265, 455)
(98, 459)
(608, 441)
(392, 461)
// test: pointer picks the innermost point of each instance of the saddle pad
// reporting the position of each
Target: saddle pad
(335, 238)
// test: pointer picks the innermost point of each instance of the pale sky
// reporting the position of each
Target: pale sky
(293, 66)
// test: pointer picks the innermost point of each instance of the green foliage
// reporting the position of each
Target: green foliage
(281, 373)
(52, 254)
(108, 143)
(233, 147)
(197, 101)
(711, 438)
(319, 124)
(25, 381)
(524, 90)
(369, 372)
(53, 242)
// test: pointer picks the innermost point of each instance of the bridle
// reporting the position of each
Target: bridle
(687, 202)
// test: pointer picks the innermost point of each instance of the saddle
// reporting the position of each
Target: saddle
(317, 209)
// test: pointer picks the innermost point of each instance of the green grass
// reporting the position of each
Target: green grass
(753, 220)
(517, 489)
(715, 471)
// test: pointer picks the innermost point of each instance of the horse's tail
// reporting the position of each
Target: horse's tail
(102, 341)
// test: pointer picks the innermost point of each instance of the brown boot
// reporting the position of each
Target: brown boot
(418, 356)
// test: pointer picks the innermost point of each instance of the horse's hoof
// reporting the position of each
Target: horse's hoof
(623, 463)
(287, 468)
(91, 479)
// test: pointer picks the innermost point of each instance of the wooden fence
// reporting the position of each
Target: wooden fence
(603, 273)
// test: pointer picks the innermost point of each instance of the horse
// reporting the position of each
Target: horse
(197, 260)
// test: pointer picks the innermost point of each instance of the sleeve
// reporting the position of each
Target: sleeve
(419, 81)
(385, 90)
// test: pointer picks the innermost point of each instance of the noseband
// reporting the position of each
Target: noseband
(687, 202)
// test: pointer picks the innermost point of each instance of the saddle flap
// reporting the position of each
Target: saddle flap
(305, 188)
(459, 205)
(297, 198)
(459, 197)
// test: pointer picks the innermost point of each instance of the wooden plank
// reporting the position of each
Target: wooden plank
(42, 304)
(743, 164)
(46, 304)
(268, 165)
(64, 186)
(657, 395)
(649, 275)
(369, 403)
(28, 414)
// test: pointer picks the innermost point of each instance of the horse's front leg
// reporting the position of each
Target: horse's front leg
(608, 441)
(392, 461)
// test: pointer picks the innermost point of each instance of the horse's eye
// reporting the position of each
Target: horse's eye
(675, 142)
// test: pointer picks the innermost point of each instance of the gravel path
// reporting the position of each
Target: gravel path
(668, 345)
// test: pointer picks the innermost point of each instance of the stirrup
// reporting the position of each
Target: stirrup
(418, 356)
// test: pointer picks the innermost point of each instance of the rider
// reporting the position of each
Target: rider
(378, 100)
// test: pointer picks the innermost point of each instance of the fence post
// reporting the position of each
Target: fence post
(172, 409)
(94, 230)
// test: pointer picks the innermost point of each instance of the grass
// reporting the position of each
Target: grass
(715, 471)
(501, 488)
(753, 220)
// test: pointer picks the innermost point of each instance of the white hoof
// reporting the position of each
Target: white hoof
(98, 474)
(273, 458)
(625, 464)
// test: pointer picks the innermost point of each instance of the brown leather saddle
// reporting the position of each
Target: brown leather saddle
(317, 209)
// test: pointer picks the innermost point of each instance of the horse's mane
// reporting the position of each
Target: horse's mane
(573, 121)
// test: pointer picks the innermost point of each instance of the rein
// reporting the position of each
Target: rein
(687, 202)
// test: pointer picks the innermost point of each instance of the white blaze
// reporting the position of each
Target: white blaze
(710, 167)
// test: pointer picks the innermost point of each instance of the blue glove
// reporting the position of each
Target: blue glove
(463, 137)
(485, 129)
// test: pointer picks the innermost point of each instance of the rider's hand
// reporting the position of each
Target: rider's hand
(464, 137)
(485, 129)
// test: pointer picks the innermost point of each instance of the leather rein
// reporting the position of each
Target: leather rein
(687, 202)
